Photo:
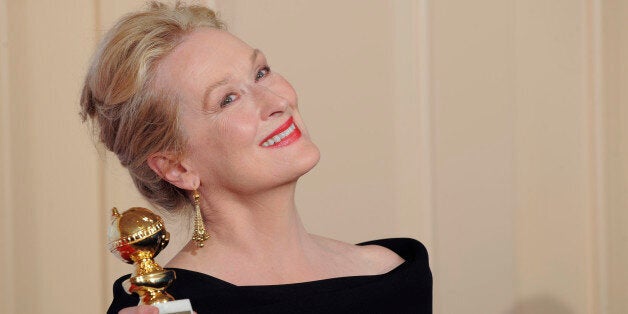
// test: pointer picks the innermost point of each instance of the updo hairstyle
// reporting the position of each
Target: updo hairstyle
(133, 117)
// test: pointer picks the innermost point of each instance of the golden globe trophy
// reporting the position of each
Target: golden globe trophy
(136, 236)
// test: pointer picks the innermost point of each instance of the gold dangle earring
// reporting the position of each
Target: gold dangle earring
(199, 227)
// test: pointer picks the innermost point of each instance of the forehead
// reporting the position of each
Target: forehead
(204, 56)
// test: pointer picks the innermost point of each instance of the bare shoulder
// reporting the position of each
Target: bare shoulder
(364, 259)
(381, 258)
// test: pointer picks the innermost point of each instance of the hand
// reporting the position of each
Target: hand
(141, 309)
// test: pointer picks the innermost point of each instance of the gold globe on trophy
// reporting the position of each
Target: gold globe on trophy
(136, 236)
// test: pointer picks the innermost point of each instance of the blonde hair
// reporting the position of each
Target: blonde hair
(133, 117)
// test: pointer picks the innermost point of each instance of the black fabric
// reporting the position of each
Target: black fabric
(405, 289)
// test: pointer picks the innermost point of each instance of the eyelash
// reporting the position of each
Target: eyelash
(227, 100)
(264, 68)
(261, 73)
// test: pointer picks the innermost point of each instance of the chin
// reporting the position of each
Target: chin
(309, 159)
(288, 173)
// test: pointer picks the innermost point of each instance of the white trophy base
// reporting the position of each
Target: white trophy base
(175, 307)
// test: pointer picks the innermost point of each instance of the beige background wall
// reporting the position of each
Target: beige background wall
(494, 131)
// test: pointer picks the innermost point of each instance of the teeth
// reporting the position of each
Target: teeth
(277, 138)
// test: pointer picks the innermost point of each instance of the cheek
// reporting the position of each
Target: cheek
(236, 130)
(224, 142)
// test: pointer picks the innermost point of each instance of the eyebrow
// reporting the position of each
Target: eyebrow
(254, 55)
(225, 80)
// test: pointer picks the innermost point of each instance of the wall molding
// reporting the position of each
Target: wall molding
(7, 294)
(413, 119)
(598, 295)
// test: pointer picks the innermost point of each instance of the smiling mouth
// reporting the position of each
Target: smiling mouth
(283, 135)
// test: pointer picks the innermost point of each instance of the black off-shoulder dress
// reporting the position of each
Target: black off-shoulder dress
(405, 289)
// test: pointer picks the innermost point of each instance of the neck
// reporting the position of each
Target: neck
(256, 226)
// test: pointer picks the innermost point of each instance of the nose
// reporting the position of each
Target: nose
(270, 102)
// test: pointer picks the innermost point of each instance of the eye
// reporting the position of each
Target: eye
(262, 73)
(227, 100)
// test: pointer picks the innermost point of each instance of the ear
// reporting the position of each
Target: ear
(170, 168)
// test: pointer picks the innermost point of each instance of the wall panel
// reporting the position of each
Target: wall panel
(615, 116)
(345, 83)
(6, 197)
(53, 175)
(554, 194)
(472, 81)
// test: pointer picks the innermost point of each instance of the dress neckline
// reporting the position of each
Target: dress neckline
(311, 283)
(408, 258)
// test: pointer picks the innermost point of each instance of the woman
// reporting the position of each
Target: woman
(198, 117)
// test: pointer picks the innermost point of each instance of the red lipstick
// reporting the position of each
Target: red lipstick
(284, 135)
